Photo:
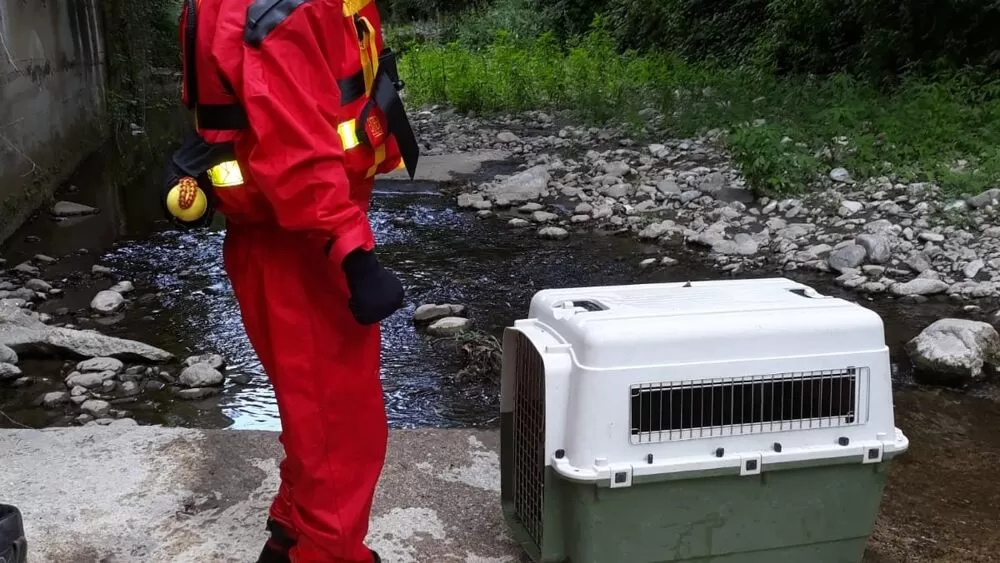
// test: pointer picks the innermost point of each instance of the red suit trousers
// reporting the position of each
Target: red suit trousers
(324, 368)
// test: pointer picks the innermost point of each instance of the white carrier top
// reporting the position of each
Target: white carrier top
(694, 376)
(633, 325)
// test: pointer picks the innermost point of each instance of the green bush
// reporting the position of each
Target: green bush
(782, 131)
(876, 38)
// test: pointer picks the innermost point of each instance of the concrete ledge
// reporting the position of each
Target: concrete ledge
(150, 494)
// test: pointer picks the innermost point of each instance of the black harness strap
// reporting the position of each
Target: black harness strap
(263, 16)
(386, 96)
(229, 117)
(191, 40)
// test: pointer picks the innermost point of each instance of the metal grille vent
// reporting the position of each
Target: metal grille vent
(708, 408)
(529, 437)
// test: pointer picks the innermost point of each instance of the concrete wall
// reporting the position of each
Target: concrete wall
(51, 98)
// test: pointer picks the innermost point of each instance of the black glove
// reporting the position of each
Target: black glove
(376, 293)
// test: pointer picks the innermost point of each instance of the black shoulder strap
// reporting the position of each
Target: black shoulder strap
(264, 16)
(191, 41)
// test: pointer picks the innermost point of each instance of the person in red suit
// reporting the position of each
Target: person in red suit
(296, 110)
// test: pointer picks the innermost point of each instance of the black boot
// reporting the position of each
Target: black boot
(277, 546)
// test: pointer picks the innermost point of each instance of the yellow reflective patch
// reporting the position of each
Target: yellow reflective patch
(352, 7)
(348, 134)
(226, 175)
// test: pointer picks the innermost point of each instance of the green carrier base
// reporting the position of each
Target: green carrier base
(805, 514)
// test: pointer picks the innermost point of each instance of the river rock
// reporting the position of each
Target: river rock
(215, 361)
(848, 208)
(70, 209)
(543, 216)
(96, 407)
(85, 380)
(656, 230)
(9, 371)
(530, 207)
(847, 257)
(469, 200)
(448, 326)
(100, 364)
(36, 284)
(517, 222)
(130, 389)
(7, 356)
(918, 262)
(973, 268)
(154, 385)
(553, 233)
(525, 186)
(201, 375)
(877, 247)
(507, 137)
(989, 197)
(197, 393)
(668, 187)
(919, 286)
(107, 302)
(742, 245)
(27, 335)
(27, 268)
(841, 175)
(123, 287)
(431, 312)
(54, 399)
(954, 351)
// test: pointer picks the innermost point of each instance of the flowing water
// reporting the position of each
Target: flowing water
(184, 304)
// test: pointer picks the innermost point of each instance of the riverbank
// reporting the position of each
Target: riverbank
(541, 202)
(908, 241)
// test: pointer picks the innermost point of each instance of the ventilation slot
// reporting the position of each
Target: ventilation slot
(529, 438)
(708, 408)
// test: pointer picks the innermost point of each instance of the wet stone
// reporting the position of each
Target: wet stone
(448, 326)
(100, 364)
(215, 361)
(197, 393)
(153, 385)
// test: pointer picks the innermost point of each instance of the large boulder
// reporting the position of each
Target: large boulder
(954, 352)
(27, 335)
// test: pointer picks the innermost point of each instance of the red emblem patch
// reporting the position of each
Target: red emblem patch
(374, 129)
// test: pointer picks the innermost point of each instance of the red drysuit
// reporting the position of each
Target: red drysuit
(283, 85)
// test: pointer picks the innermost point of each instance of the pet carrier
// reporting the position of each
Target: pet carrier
(722, 421)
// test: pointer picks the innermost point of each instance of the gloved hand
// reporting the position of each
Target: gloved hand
(376, 293)
(190, 162)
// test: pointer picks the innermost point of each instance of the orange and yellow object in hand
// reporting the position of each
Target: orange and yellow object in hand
(187, 201)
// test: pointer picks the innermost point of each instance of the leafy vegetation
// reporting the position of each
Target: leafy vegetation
(783, 128)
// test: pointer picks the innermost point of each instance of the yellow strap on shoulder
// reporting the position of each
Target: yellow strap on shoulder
(352, 7)
(369, 55)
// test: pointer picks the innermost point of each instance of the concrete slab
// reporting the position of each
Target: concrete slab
(150, 494)
(448, 167)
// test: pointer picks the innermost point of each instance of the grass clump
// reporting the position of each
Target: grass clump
(482, 355)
